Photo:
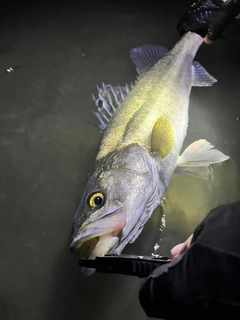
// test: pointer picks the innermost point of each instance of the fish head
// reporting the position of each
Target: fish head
(111, 206)
(100, 216)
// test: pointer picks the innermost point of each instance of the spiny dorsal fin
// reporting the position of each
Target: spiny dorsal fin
(201, 78)
(146, 56)
(109, 99)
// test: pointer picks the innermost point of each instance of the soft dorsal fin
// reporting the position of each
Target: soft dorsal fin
(201, 78)
(146, 56)
(109, 99)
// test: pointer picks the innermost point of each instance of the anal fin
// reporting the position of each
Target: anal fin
(201, 78)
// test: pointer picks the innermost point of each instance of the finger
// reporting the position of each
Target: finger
(182, 247)
(188, 243)
(207, 40)
(177, 250)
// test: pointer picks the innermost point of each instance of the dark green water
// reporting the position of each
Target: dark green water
(49, 136)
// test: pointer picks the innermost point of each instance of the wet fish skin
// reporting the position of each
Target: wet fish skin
(143, 133)
(126, 178)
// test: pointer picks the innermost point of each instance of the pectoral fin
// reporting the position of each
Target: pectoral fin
(196, 159)
(163, 137)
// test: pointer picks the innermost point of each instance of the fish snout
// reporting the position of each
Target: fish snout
(97, 238)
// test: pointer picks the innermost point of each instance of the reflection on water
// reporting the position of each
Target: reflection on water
(187, 201)
(48, 142)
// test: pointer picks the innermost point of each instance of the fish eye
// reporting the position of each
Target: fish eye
(95, 199)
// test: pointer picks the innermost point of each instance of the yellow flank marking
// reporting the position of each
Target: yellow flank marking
(163, 137)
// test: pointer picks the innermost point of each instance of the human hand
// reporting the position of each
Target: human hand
(204, 281)
(181, 247)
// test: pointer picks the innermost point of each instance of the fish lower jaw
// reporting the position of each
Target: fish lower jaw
(104, 245)
(96, 246)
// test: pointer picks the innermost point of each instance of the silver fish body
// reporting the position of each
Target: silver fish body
(143, 133)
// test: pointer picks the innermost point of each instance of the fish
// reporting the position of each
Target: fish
(143, 128)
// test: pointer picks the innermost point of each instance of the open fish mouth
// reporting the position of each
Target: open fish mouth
(97, 238)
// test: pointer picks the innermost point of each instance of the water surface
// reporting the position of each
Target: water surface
(49, 136)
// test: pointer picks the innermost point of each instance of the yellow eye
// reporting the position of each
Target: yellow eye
(96, 200)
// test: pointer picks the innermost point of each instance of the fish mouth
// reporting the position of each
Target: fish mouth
(97, 238)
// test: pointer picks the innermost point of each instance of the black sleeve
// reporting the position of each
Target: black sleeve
(209, 17)
(203, 283)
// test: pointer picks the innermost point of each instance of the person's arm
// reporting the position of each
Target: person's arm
(209, 18)
(204, 281)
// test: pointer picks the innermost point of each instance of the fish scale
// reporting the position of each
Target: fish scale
(153, 99)
(143, 132)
